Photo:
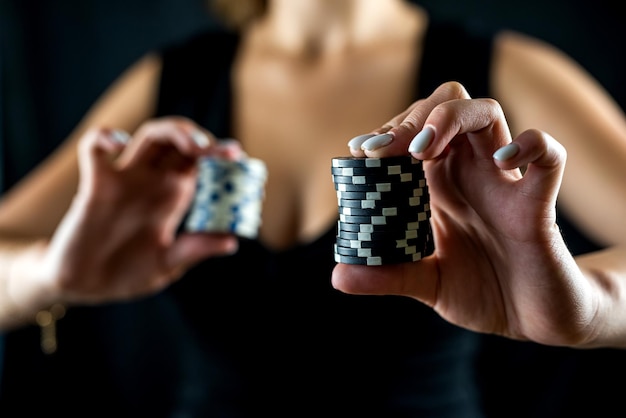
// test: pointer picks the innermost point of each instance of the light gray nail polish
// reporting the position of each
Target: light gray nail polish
(376, 142)
(120, 136)
(200, 139)
(506, 152)
(422, 139)
(357, 141)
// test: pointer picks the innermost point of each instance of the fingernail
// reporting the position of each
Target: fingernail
(120, 136)
(376, 142)
(422, 139)
(200, 139)
(228, 141)
(232, 149)
(356, 142)
(506, 152)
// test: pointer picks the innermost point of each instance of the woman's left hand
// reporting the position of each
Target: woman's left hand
(500, 264)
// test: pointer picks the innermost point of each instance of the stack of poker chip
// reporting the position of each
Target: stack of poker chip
(384, 212)
(229, 196)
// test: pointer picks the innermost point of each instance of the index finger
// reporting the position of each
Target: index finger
(394, 136)
(482, 121)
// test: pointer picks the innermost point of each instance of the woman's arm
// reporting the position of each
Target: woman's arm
(31, 211)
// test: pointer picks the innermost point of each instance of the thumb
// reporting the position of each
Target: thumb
(418, 280)
(191, 248)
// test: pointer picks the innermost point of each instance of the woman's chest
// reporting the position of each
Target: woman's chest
(296, 118)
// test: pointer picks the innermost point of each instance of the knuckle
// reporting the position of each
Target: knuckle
(410, 123)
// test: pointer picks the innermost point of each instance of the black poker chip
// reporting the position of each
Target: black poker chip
(376, 252)
(368, 232)
(374, 195)
(378, 235)
(363, 227)
(388, 187)
(403, 201)
(373, 162)
(375, 179)
(389, 243)
(379, 260)
(384, 210)
(385, 170)
(400, 211)
(392, 221)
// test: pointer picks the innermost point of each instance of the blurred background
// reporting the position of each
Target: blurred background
(57, 56)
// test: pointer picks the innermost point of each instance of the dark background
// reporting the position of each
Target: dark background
(57, 56)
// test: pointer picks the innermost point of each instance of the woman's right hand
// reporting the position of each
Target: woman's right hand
(119, 239)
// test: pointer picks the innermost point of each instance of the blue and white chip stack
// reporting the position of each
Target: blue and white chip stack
(229, 197)
(384, 211)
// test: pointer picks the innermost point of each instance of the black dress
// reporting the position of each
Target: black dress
(260, 333)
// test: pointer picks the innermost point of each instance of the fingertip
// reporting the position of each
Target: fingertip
(342, 279)
(230, 149)
(422, 140)
(230, 245)
(355, 143)
(194, 247)
(200, 138)
(117, 140)
(119, 136)
(506, 152)
(376, 142)
(104, 142)
(367, 280)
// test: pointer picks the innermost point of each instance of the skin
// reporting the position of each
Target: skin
(310, 61)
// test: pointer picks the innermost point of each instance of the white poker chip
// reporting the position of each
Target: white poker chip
(229, 197)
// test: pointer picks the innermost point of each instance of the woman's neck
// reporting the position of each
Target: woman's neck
(318, 28)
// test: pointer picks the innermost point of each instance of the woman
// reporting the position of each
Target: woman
(174, 324)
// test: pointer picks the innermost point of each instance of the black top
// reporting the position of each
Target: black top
(261, 332)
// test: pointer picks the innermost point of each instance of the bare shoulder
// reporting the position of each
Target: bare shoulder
(514, 43)
(522, 58)
(529, 73)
